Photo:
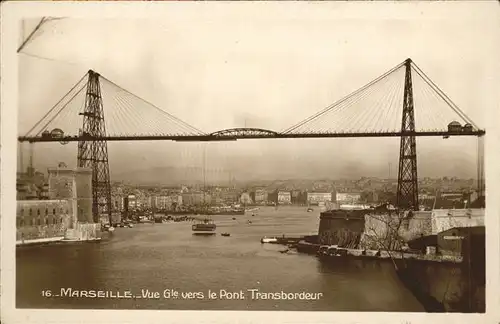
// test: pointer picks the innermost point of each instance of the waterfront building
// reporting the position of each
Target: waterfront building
(284, 197)
(341, 227)
(43, 219)
(117, 202)
(445, 219)
(161, 202)
(44, 191)
(229, 196)
(331, 206)
(26, 191)
(177, 200)
(295, 196)
(453, 196)
(370, 197)
(462, 241)
(164, 201)
(216, 199)
(426, 196)
(316, 198)
(347, 197)
(31, 185)
(259, 196)
(141, 199)
(153, 202)
(246, 199)
(196, 198)
(372, 228)
(132, 202)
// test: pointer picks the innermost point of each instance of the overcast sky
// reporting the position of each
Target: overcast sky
(234, 68)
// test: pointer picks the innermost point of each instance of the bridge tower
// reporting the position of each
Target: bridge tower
(93, 153)
(407, 195)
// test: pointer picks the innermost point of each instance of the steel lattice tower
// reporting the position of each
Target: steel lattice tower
(407, 195)
(93, 153)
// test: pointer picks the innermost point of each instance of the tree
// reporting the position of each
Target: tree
(383, 231)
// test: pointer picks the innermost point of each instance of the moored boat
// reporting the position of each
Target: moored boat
(268, 240)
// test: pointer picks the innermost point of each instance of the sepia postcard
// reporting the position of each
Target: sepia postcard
(250, 162)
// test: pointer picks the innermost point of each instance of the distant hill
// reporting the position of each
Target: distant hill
(164, 176)
(173, 176)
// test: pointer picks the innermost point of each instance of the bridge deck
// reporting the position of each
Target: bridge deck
(231, 137)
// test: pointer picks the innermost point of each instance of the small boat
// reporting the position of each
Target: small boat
(284, 251)
(268, 240)
(130, 225)
(249, 222)
(234, 218)
(226, 234)
(309, 209)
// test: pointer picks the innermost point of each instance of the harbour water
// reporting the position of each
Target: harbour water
(167, 257)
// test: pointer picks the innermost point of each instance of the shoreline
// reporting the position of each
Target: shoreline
(53, 241)
(312, 249)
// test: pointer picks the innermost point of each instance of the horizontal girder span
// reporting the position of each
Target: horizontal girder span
(216, 138)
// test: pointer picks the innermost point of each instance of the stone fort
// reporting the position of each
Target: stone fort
(67, 214)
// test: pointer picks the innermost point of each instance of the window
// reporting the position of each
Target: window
(31, 212)
(46, 221)
(46, 211)
(53, 211)
(21, 223)
(22, 211)
(38, 212)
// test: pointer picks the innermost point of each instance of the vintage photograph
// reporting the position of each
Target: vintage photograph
(219, 159)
